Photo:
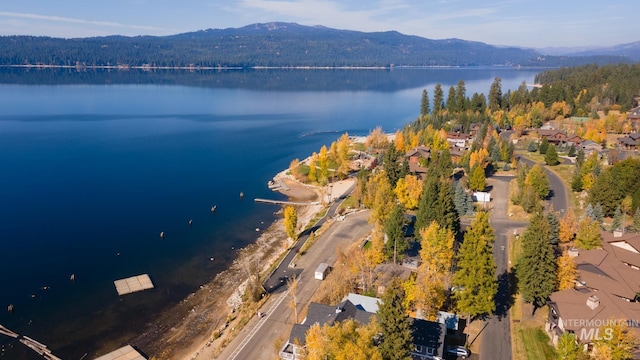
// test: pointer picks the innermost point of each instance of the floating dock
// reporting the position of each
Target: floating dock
(124, 353)
(283, 202)
(133, 284)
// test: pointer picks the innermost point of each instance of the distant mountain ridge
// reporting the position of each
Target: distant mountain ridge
(275, 44)
(629, 50)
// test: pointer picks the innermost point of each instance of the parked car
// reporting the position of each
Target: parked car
(460, 351)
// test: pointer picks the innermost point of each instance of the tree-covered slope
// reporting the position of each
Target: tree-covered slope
(272, 44)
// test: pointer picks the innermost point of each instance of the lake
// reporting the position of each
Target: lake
(96, 164)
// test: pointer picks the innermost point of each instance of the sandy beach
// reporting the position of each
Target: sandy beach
(187, 330)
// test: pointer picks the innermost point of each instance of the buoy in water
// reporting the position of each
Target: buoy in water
(161, 234)
(10, 308)
(190, 222)
(213, 208)
(72, 277)
(241, 194)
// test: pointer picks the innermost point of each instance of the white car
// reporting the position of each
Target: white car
(460, 351)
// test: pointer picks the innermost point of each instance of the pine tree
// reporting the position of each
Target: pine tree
(588, 212)
(424, 104)
(598, 214)
(554, 227)
(616, 223)
(580, 158)
(447, 216)
(536, 268)
(460, 199)
(532, 147)
(544, 146)
(576, 180)
(426, 210)
(475, 278)
(394, 229)
(572, 151)
(438, 99)
(436, 203)
(395, 326)
(551, 157)
(495, 94)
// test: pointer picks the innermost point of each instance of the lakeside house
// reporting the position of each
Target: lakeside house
(629, 142)
(418, 158)
(606, 290)
(428, 336)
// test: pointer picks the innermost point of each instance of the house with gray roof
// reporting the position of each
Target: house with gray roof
(429, 337)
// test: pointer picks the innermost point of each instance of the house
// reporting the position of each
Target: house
(606, 290)
(418, 158)
(555, 137)
(633, 115)
(458, 139)
(429, 337)
(589, 146)
(629, 142)
(573, 139)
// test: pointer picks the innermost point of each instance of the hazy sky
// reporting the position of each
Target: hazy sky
(532, 23)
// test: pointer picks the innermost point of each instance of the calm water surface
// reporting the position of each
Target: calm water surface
(92, 173)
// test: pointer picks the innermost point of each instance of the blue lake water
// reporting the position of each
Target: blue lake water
(93, 168)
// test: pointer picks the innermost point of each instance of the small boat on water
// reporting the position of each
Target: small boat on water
(161, 234)
(213, 208)
(190, 222)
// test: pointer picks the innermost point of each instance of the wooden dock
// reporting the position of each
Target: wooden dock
(133, 284)
(281, 202)
(124, 353)
(40, 348)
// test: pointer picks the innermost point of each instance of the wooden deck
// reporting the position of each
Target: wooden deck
(124, 353)
(133, 284)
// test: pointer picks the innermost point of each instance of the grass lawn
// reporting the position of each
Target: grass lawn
(536, 344)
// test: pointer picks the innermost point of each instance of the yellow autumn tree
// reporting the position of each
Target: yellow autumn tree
(414, 139)
(290, 222)
(434, 273)
(323, 163)
(379, 198)
(401, 144)
(313, 171)
(342, 159)
(439, 141)
(567, 227)
(408, 191)
(480, 157)
(567, 272)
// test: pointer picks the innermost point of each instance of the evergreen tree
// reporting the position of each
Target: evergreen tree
(580, 158)
(395, 326)
(551, 157)
(495, 94)
(475, 278)
(424, 104)
(544, 146)
(554, 227)
(588, 212)
(536, 267)
(461, 96)
(460, 199)
(616, 223)
(426, 208)
(394, 229)
(598, 215)
(572, 151)
(533, 146)
(447, 216)
(635, 226)
(436, 204)
(576, 181)
(438, 99)
(470, 206)
(391, 165)
(451, 101)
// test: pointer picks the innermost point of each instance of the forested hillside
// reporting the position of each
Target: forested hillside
(272, 45)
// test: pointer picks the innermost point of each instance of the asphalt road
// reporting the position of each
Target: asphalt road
(257, 339)
(558, 195)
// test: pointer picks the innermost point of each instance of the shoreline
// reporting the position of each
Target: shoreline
(186, 330)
